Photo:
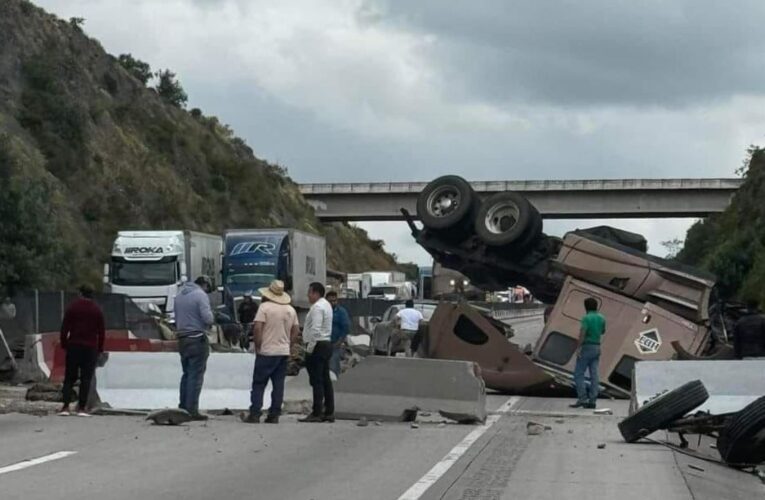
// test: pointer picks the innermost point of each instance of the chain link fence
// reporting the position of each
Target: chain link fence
(34, 311)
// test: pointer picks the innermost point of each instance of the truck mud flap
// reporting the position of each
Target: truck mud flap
(459, 332)
(386, 388)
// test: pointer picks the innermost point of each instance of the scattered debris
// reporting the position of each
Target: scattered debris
(571, 431)
(601, 446)
(415, 425)
(560, 421)
(603, 411)
(378, 423)
(363, 422)
(169, 416)
(441, 425)
(695, 467)
(534, 429)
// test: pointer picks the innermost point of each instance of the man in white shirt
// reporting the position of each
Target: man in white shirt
(317, 335)
(408, 320)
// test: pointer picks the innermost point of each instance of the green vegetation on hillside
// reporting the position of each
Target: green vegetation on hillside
(732, 244)
(87, 149)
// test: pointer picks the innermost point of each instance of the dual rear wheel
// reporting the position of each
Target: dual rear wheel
(449, 206)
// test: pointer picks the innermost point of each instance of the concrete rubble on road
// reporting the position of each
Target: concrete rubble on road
(385, 388)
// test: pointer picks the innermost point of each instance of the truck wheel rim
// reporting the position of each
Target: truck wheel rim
(502, 217)
(444, 201)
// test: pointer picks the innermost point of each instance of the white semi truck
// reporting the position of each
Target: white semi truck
(150, 266)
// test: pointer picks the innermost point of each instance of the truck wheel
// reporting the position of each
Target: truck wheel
(503, 218)
(533, 232)
(445, 202)
(663, 410)
(742, 441)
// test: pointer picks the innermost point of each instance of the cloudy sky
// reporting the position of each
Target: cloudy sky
(403, 90)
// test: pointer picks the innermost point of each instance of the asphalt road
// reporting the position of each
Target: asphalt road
(126, 458)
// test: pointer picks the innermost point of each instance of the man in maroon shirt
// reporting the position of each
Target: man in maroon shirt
(82, 337)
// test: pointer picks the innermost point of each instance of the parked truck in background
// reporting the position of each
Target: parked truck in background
(360, 283)
(150, 266)
(252, 258)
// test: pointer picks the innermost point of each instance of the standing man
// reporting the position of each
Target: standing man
(246, 314)
(276, 328)
(82, 337)
(593, 326)
(749, 333)
(317, 335)
(408, 320)
(193, 316)
(341, 325)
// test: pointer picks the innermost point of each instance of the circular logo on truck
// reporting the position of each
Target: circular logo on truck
(648, 342)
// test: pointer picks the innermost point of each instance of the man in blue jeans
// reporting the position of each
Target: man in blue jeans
(193, 316)
(275, 329)
(593, 326)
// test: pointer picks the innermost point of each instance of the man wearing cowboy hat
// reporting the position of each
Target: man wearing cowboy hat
(274, 330)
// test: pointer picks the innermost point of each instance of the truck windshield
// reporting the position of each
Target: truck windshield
(158, 273)
(253, 280)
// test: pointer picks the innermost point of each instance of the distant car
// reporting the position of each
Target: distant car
(384, 326)
(391, 291)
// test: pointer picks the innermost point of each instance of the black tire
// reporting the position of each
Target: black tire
(663, 410)
(447, 202)
(533, 232)
(503, 219)
(742, 441)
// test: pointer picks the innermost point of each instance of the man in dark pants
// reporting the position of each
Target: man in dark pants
(82, 337)
(749, 333)
(593, 326)
(276, 328)
(193, 316)
(317, 335)
(246, 315)
(341, 325)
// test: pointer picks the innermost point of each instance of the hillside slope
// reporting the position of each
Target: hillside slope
(87, 149)
(732, 244)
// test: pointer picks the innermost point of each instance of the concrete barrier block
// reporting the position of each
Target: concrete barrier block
(383, 388)
(151, 380)
(732, 384)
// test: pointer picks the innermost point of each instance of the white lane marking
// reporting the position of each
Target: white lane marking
(36, 461)
(429, 479)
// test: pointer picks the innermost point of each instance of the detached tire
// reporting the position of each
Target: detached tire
(446, 203)
(742, 441)
(663, 410)
(503, 219)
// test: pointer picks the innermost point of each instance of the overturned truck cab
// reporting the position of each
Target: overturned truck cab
(649, 303)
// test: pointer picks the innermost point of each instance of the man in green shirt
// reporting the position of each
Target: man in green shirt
(593, 326)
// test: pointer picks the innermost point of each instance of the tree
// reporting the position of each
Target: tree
(77, 22)
(136, 67)
(672, 247)
(31, 251)
(170, 89)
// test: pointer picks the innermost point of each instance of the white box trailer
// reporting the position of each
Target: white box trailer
(150, 266)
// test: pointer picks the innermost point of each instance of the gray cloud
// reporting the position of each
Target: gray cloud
(594, 52)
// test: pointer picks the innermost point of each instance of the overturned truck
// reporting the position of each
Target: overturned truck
(650, 303)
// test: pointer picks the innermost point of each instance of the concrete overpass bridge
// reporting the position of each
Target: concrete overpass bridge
(555, 199)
